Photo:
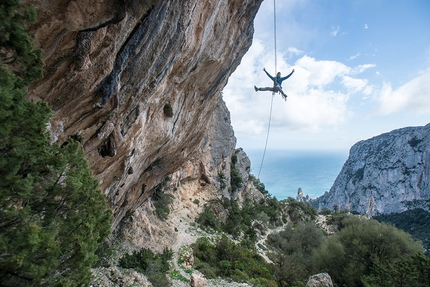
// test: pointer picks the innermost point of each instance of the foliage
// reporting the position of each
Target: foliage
(154, 266)
(294, 247)
(415, 222)
(243, 221)
(413, 271)
(221, 176)
(52, 214)
(359, 246)
(337, 218)
(208, 219)
(235, 177)
(168, 111)
(16, 46)
(162, 200)
(226, 259)
(299, 211)
(258, 184)
(325, 211)
(176, 275)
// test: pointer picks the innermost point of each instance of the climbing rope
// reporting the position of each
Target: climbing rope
(273, 95)
(267, 137)
(274, 33)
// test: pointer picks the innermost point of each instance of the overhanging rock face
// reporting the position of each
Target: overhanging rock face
(139, 85)
(389, 173)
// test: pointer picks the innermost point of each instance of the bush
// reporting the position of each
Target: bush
(294, 247)
(258, 184)
(162, 201)
(168, 111)
(360, 245)
(299, 211)
(408, 272)
(229, 260)
(235, 178)
(208, 219)
(415, 222)
(154, 266)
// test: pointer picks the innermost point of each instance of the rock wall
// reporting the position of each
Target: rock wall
(139, 84)
(385, 174)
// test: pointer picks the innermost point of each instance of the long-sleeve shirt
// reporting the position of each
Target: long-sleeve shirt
(277, 80)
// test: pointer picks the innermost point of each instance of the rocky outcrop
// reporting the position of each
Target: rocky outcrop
(198, 281)
(139, 84)
(385, 174)
(320, 280)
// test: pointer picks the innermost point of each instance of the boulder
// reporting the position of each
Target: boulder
(320, 280)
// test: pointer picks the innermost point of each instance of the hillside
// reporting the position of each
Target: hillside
(386, 174)
(119, 164)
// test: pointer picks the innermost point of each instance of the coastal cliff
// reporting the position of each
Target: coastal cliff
(140, 85)
(386, 174)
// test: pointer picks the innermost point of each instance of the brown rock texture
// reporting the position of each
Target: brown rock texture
(139, 83)
(198, 281)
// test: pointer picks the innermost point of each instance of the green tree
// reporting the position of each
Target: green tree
(52, 214)
(359, 246)
(294, 247)
(413, 271)
(155, 266)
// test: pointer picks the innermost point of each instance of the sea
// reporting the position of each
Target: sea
(283, 172)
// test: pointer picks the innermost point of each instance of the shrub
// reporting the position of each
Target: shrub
(235, 178)
(221, 176)
(162, 201)
(258, 184)
(227, 259)
(358, 246)
(154, 266)
(162, 208)
(209, 219)
(299, 211)
(168, 111)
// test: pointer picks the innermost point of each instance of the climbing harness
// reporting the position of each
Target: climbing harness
(273, 94)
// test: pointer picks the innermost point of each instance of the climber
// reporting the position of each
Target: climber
(277, 84)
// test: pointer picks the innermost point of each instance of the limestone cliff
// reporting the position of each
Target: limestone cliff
(140, 83)
(385, 174)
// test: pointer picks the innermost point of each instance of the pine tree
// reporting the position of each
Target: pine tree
(52, 214)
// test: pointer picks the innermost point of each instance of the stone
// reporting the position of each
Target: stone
(320, 280)
(112, 66)
(198, 281)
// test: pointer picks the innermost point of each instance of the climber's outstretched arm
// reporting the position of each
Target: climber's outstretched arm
(269, 75)
(289, 75)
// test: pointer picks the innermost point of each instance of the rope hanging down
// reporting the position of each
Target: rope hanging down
(273, 95)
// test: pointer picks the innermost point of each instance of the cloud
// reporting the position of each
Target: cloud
(355, 56)
(320, 73)
(334, 31)
(366, 26)
(361, 68)
(354, 85)
(294, 51)
(412, 97)
(318, 94)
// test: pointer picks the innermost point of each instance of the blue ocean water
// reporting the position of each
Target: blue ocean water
(284, 172)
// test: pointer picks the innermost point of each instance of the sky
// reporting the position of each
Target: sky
(362, 68)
